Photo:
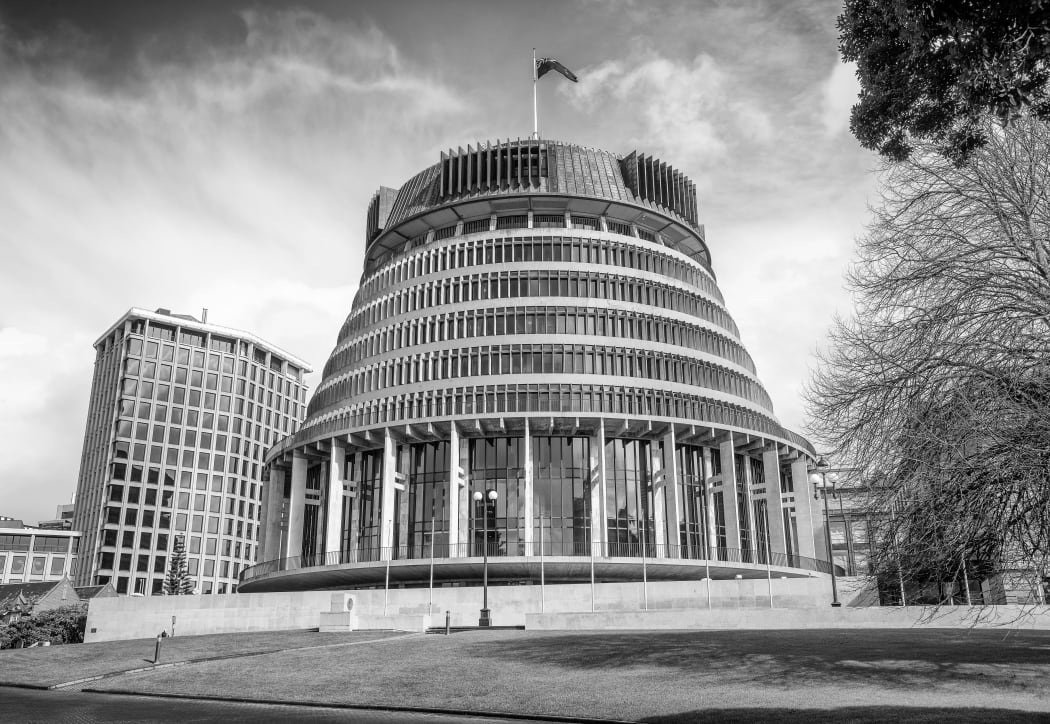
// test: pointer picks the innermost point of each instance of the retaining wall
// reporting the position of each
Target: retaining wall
(129, 617)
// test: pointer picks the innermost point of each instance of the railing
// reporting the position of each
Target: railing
(563, 549)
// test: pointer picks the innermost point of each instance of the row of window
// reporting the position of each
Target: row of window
(178, 393)
(168, 499)
(146, 541)
(110, 561)
(497, 399)
(172, 458)
(210, 378)
(186, 418)
(121, 471)
(187, 436)
(162, 520)
(37, 565)
(42, 544)
(202, 341)
(143, 389)
(543, 283)
(497, 321)
(476, 252)
(450, 364)
(199, 404)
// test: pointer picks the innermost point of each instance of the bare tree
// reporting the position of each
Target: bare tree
(938, 386)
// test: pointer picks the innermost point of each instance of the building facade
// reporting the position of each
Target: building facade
(31, 555)
(538, 365)
(180, 416)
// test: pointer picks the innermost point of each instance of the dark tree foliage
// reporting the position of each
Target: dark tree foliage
(177, 581)
(64, 625)
(936, 70)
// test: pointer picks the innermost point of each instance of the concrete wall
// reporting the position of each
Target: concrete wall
(797, 603)
(1006, 617)
(143, 617)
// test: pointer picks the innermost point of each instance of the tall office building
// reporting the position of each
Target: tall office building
(180, 416)
(538, 365)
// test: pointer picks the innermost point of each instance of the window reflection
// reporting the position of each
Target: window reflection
(498, 464)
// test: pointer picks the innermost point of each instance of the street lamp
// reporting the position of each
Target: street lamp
(486, 620)
(820, 477)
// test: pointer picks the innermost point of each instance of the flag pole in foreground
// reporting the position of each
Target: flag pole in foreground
(535, 107)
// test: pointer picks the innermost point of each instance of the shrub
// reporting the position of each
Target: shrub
(64, 625)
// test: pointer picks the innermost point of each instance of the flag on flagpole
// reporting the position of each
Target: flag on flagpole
(545, 65)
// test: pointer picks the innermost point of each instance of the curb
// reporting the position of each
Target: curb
(369, 707)
(172, 664)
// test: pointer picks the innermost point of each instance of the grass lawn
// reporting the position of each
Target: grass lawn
(860, 675)
(46, 666)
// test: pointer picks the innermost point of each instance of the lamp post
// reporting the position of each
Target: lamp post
(486, 620)
(820, 477)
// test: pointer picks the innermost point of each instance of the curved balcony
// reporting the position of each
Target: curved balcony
(566, 563)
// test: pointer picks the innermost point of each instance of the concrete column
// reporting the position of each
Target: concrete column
(334, 498)
(672, 496)
(599, 516)
(404, 464)
(355, 504)
(774, 509)
(293, 544)
(386, 510)
(729, 504)
(530, 512)
(272, 500)
(659, 483)
(456, 480)
(465, 503)
(750, 505)
(709, 500)
(809, 518)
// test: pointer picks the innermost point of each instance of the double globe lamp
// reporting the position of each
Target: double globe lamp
(486, 618)
(821, 478)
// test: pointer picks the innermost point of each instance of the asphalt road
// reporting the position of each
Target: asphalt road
(23, 706)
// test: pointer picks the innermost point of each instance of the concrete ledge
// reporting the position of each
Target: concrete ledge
(342, 621)
(1007, 617)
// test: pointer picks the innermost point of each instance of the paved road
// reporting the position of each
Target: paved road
(23, 706)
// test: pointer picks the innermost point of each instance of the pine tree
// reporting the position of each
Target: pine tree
(177, 582)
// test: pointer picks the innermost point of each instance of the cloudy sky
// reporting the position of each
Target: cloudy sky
(221, 155)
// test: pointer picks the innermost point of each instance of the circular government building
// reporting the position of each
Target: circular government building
(538, 380)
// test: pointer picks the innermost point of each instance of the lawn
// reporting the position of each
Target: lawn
(50, 665)
(861, 675)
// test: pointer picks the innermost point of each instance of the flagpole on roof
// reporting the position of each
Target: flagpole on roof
(535, 108)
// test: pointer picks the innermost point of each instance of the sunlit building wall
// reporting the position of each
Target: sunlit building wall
(180, 416)
(538, 323)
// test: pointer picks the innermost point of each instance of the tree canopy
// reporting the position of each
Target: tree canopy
(935, 70)
(177, 581)
(938, 387)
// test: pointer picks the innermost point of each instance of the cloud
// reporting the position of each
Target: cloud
(690, 105)
(233, 177)
(15, 342)
(839, 94)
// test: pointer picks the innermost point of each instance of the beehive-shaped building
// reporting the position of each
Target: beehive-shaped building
(538, 326)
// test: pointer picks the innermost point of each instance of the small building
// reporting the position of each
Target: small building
(106, 590)
(31, 555)
(63, 519)
(24, 599)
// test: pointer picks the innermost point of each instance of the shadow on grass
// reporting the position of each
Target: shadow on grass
(899, 657)
(853, 714)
